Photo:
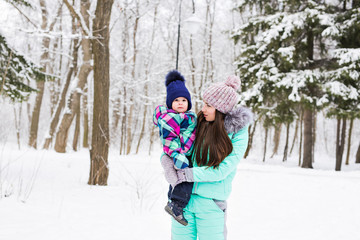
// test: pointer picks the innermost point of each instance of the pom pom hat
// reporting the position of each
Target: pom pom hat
(175, 87)
(222, 95)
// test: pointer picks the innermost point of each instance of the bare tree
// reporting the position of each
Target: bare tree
(75, 96)
(40, 85)
(99, 170)
(147, 72)
(61, 102)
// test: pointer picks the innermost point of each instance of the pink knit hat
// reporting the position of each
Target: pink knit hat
(222, 95)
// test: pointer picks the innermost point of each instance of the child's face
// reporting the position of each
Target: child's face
(180, 104)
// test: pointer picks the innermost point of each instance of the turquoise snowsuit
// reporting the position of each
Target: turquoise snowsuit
(206, 210)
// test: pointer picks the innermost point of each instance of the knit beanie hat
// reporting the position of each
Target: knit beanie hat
(222, 95)
(175, 87)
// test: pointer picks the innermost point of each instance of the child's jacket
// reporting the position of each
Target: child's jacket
(177, 133)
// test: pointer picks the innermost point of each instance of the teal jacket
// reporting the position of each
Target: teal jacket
(216, 183)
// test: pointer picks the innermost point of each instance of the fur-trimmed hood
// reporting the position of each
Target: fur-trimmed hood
(237, 118)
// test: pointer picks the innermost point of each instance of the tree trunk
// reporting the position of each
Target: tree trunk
(75, 96)
(251, 137)
(295, 135)
(308, 138)
(18, 123)
(55, 118)
(277, 135)
(61, 102)
(147, 71)
(142, 129)
(301, 135)
(44, 62)
(99, 170)
(123, 126)
(349, 141)
(152, 135)
(85, 119)
(357, 160)
(129, 126)
(314, 135)
(40, 85)
(340, 142)
(77, 129)
(57, 47)
(265, 142)
(286, 142)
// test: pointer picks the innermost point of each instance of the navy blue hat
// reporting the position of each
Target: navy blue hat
(175, 87)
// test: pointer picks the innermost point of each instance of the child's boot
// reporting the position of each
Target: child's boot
(176, 212)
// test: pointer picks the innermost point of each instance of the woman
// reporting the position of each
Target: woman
(220, 144)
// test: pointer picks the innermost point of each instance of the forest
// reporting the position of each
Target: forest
(81, 74)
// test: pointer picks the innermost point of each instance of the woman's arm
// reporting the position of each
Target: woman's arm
(227, 166)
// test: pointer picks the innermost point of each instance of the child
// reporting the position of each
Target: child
(177, 132)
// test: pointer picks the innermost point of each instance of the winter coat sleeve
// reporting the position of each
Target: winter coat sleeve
(229, 164)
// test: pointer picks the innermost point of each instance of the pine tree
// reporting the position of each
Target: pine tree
(16, 70)
(282, 58)
(343, 86)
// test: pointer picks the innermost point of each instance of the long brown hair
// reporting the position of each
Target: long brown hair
(212, 144)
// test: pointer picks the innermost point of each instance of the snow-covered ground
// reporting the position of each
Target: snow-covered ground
(44, 195)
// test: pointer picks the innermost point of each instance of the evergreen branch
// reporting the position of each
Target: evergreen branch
(327, 63)
(20, 2)
(4, 75)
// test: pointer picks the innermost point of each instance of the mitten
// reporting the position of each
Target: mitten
(185, 175)
(170, 172)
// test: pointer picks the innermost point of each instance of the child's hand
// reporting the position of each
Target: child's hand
(181, 175)
(185, 175)
(169, 170)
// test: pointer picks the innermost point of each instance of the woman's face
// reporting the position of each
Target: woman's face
(209, 112)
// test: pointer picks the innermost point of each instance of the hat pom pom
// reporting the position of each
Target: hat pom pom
(233, 81)
(173, 76)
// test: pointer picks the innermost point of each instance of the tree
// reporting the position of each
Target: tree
(343, 86)
(15, 70)
(278, 62)
(44, 62)
(99, 170)
(75, 96)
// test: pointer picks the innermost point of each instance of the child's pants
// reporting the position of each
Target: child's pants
(181, 193)
(207, 220)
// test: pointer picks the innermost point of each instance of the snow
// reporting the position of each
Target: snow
(287, 52)
(340, 89)
(346, 55)
(48, 198)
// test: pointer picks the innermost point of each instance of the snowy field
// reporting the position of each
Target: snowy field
(44, 195)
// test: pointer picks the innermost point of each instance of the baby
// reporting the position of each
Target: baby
(177, 126)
